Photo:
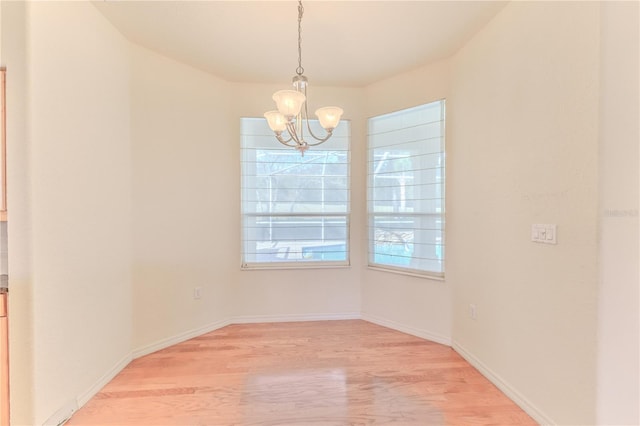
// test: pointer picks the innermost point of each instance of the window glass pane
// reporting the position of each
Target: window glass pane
(414, 242)
(406, 189)
(295, 208)
(295, 239)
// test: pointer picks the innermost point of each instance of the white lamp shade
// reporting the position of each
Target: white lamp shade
(289, 102)
(329, 117)
(277, 122)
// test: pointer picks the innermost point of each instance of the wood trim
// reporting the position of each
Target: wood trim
(3, 142)
(4, 361)
(4, 321)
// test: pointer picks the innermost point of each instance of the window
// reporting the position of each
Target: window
(295, 209)
(406, 190)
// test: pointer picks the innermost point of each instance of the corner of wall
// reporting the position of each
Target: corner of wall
(618, 369)
(524, 151)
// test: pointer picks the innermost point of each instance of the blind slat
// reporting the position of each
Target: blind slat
(406, 189)
(295, 209)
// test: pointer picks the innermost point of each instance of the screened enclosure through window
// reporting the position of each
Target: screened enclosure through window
(295, 209)
(406, 198)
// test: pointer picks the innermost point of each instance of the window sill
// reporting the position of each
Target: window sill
(293, 267)
(408, 273)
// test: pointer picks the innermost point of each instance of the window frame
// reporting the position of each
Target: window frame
(246, 264)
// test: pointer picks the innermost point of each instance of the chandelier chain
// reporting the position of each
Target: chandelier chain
(300, 70)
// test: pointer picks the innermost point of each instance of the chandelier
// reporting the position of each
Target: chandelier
(292, 117)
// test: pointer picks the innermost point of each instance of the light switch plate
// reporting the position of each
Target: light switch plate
(544, 233)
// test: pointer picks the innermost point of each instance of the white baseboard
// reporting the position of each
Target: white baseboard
(106, 378)
(424, 334)
(505, 387)
(67, 410)
(293, 318)
(62, 415)
(170, 341)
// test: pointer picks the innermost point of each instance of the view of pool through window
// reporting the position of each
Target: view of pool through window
(406, 189)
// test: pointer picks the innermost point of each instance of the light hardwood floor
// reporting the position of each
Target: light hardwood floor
(306, 373)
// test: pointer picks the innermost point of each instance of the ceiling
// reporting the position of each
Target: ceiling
(344, 43)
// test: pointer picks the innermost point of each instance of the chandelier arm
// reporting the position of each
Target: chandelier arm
(320, 140)
(314, 136)
(283, 141)
(291, 128)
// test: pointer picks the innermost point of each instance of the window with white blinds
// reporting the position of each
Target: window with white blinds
(406, 197)
(295, 209)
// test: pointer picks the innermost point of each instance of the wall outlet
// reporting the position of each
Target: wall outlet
(473, 311)
(197, 292)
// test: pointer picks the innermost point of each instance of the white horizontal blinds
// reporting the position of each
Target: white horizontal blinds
(406, 189)
(295, 209)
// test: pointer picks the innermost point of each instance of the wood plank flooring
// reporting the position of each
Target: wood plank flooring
(306, 373)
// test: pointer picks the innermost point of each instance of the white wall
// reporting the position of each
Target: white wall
(415, 305)
(618, 322)
(524, 114)
(185, 192)
(297, 294)
(80, 174)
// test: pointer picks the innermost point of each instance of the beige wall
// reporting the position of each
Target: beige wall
(184, 198)
(186, 176)
(79, 196)
(619, 324)
(524, 114)
(81, 200)
(129, 247)
(311, 293)
(415, 305)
